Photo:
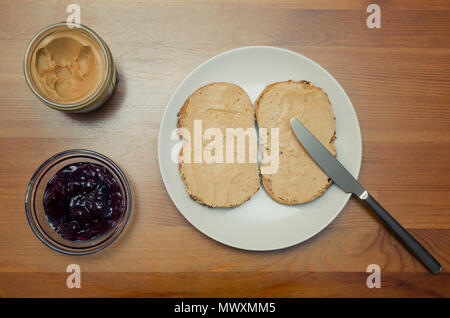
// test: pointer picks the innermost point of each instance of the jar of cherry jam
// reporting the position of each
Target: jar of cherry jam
(78, 202)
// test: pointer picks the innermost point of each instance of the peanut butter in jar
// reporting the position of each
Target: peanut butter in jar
(70, 69)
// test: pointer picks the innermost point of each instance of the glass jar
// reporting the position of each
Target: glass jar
(92, 101)
(35, 211)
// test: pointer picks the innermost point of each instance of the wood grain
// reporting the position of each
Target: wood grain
(398, 79)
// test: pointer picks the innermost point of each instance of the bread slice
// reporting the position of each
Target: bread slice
(219, 105)
(298, 179)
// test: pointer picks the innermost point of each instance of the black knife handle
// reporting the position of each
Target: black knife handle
(407, 239)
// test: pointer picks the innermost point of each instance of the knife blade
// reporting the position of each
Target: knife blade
(344, 180)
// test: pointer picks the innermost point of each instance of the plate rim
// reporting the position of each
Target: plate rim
(265, 47)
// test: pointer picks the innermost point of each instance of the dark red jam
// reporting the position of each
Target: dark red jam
(83, 200)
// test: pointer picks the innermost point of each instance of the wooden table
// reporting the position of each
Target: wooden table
(398, 78)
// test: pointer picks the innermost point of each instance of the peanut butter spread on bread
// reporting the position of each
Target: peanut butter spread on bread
(298, 179)
(218, 184)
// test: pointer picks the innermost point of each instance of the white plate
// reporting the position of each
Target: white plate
(261, 223)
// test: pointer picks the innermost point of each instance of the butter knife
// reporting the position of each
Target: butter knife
(344, 180)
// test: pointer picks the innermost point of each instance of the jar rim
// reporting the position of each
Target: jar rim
(91, 98)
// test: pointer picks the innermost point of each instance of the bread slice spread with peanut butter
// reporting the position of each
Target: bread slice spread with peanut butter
(298, 179)
(219, 183)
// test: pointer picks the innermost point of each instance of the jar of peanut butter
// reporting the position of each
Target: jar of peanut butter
(70, 69)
